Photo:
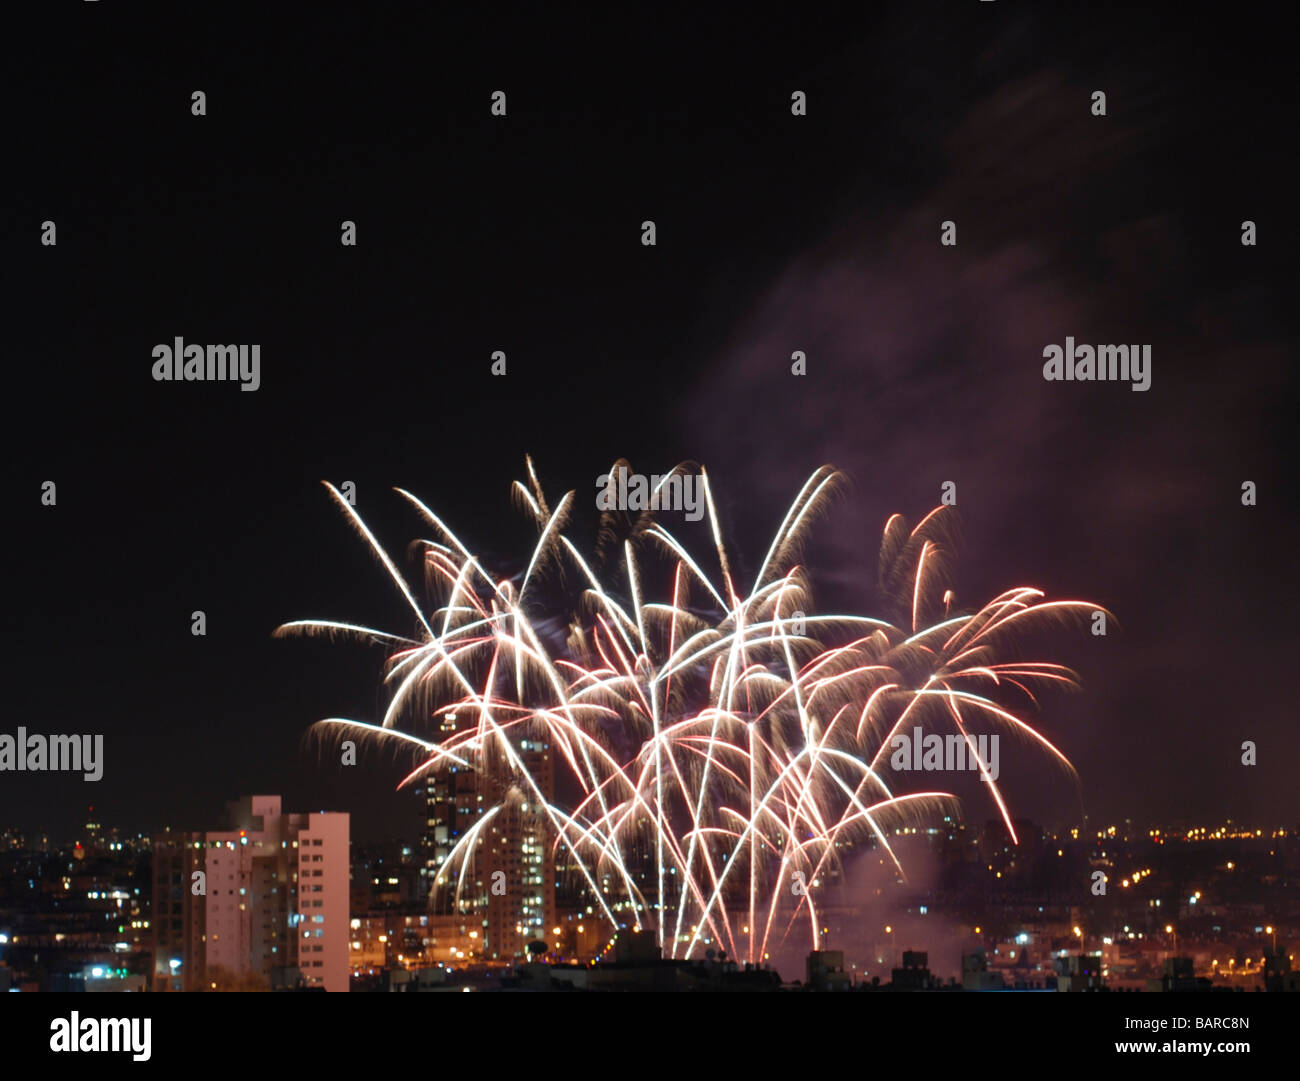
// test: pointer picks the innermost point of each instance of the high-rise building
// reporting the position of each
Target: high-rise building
(265, 901)
(453, 803)
(519, 841)
(509, 885)
(177, 916)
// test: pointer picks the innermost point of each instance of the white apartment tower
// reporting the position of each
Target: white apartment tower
(275, 899)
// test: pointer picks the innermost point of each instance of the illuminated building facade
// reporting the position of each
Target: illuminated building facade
(253, 903)
(509, 886)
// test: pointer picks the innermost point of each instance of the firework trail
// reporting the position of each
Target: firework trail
(726, 748)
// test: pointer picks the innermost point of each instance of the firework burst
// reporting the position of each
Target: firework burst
(724, 750)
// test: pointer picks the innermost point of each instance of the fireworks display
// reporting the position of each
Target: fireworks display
(721, 750)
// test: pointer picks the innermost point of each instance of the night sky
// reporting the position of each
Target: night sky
(775, 233)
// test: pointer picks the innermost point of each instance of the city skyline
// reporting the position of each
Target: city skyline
(985, 914)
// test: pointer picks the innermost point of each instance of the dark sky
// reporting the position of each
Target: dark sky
(775, 233)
